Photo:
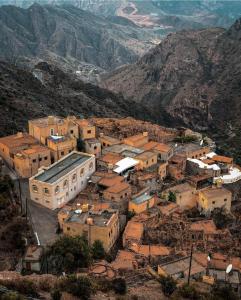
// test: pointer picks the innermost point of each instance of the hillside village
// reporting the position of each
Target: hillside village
(161, 201)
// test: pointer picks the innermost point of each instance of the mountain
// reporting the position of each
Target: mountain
(69, 36)
(191, 78)
(162, 16)
(47, 90)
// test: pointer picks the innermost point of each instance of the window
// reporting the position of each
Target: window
(104, 144)
(65, 184)
(70, 151)
(47, 201)
(40, 159)
(82, 172)
(46, 158)
(51, 131)
(36, 199)
(95, 147)
(74, 177)
(34, 160)
(57, 189)
(68, 228)
(91, 165)
(35, 188)
(213, 202)
(89, 131)
(46, 190)
(225, 200)
(71, 131)
(62, 153)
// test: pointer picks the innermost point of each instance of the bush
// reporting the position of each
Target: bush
(98, 251)
(119, 286)
(12, 296)
(172, 197)
(223, 293)
(56, 294)
(188, 292)
(168, 285)
(77, 286)
(69, 253)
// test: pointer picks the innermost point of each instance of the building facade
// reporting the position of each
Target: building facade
(54, 186)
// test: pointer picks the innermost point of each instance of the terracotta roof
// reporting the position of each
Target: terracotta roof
(208, 161)
(151, 250)
(215, 192)
(119, 187)
(145, 155)
(18, 140)
(207, 226)
(149, 146)
(134, 230)
(83, 123)
(135, 138)
(111, 181)
(109, 139)
(110, 158)
(168, 209)
(224, 159)
(160, 147)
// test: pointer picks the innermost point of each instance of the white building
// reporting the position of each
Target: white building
(54, 186)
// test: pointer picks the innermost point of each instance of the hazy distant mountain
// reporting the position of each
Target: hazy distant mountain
(69, 35)
(192, 78)
(163, 15)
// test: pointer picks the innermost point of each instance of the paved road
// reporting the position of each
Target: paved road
(43, 220)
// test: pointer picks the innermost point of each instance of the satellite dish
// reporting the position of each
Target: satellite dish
(229, 268)
(201, 143)
(175, 145)
(208, 258)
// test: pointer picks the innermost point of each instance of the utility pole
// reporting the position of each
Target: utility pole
(190, 266)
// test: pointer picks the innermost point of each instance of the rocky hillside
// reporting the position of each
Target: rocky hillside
(68, 36)
(47, 90)
(191, 78)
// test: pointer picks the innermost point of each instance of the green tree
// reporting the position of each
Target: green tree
(189, 292)
(168, 285)
(98, 251)
(220, 218)
(172, 196)
(69, 253)
(119, 286)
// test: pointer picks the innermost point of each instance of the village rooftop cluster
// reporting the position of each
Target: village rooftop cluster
(110, 184)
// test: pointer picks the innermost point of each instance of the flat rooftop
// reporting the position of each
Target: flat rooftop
(46, 121)
(62, 167)
(142, 198)
(122, 147)
(100, 218)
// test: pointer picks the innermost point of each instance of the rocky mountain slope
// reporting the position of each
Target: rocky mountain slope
(192, 78)
(68, 36)
(47, 90)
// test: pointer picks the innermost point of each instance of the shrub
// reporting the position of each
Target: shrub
(77, 286)
(188, 292)
(12, 296)
(172, 197)
(168, 285)
(56, 294)
(119, 286)
(98, 251)
(223, 293)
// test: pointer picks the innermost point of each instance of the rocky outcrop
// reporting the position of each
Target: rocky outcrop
(191, 78)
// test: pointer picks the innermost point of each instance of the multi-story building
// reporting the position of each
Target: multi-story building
(61, 146)
(42, 128)
(138, 140)
(86, 129)
(100, 225)
(164, 151)
(146, 160)
(13, 144)
(212, 197)
(27, 162)
(61, 182)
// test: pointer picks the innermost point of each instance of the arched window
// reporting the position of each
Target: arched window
(65, 184)
(82, 172)
(35, 188)
(57, 189)
(74, 177)
(46, 190)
